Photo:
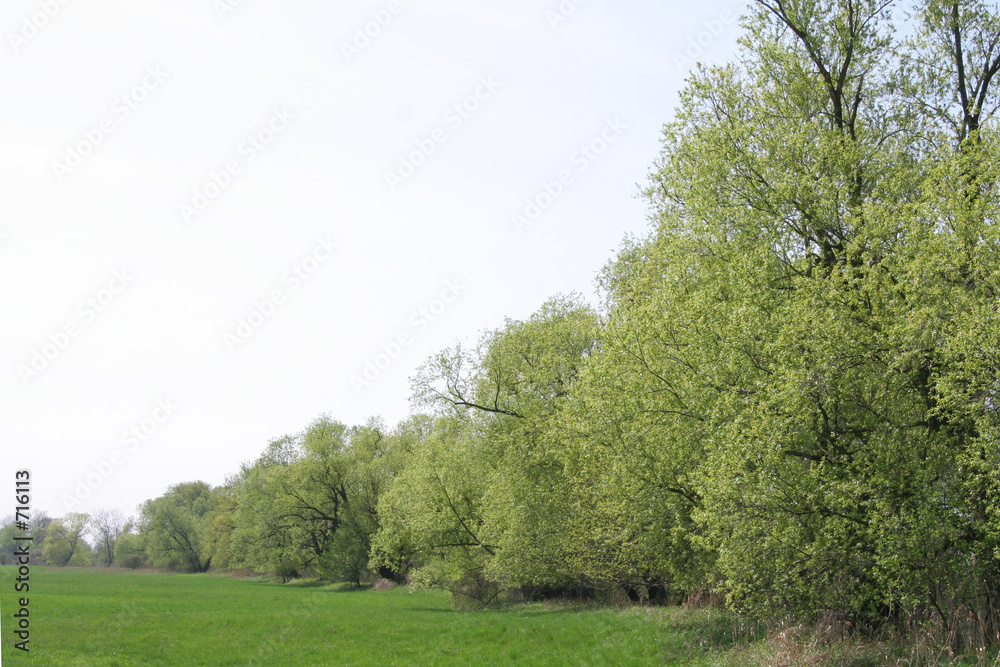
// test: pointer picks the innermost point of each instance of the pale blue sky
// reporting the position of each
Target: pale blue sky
(300, 134)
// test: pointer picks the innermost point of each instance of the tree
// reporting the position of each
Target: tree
(311, 493)
(528, 505)
(40, 523)
(174, 527)
(262, 539)
(630, 439)
(8, 545)
(392, 550)
(221, 525)
(106, 527)
(64, 544)
(374, 458)
(130, 547)
(805, 308)
(310, 500)
(481, 503)
(432, 513)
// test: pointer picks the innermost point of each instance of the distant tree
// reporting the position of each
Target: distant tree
(39, 524)
(64, 541)
(106, 526)
(130, 548)
(221, 526)
(8, 530)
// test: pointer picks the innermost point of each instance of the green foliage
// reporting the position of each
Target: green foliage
(130, 548)
(174, 527)
(431, 513)
(261, 539)
(8, 545)
(310, 501)
(803, 315)
(64, 544)
(480, 505)
(220, 525)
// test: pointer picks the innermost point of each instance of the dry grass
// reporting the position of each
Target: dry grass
(834, 643)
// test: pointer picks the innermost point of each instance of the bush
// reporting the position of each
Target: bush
(132, 561)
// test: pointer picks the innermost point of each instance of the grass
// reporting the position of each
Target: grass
(88, 617)
(119, 618)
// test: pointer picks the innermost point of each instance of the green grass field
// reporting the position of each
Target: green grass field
(88, 617)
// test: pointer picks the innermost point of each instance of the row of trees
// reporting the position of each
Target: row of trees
(789, 394)
(308, 503)
(63, 541)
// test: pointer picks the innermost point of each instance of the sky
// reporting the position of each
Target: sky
(220, 219)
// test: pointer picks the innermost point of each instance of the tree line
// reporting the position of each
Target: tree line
(787, 395)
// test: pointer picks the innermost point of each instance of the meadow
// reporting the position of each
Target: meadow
(117, 618)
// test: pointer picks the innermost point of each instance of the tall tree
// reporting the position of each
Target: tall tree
(803, 313)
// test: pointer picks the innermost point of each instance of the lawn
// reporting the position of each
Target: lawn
(89, 617)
